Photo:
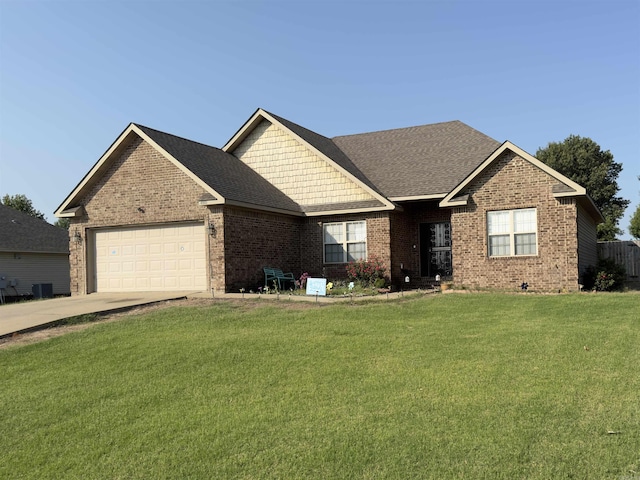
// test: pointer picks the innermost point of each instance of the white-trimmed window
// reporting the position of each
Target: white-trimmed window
(512, 232)
(345, 241)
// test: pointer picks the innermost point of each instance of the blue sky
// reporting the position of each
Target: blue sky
(74, 74)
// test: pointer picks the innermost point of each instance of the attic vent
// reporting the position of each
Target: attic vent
(566, 201)
(460, 210)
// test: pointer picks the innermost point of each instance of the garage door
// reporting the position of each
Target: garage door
(164, 258)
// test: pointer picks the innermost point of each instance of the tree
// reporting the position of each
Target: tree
(634, 226)
(21, 203)
(583, 161)
(63, 223)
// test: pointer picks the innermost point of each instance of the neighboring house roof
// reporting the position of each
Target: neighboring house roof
(20, 232)
(427, 161)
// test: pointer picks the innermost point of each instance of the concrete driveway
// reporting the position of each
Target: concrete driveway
(17, 317)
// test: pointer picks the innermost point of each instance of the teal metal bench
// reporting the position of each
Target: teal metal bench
(276, 275)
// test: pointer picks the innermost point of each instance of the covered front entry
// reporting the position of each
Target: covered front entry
(435, 249)
(159, 258)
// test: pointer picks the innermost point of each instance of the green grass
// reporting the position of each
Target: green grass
(445, 386)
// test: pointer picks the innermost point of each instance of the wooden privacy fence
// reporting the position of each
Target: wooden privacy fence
(625, 253)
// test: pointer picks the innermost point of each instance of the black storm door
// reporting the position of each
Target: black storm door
(435, 249)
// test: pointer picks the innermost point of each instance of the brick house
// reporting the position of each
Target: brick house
(159, 212)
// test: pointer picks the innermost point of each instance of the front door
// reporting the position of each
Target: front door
(435, 249)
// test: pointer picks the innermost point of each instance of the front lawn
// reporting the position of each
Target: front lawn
(443, 386)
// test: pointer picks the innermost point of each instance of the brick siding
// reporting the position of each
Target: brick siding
(254, 240)
(512, 183)
(406, 241)
(311, 243)
(245, 241)
(139, 177)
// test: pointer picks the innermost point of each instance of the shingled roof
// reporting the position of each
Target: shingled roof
(327, 147)
(20, 232)
(413, 162)
(223, 172)
(418, 161)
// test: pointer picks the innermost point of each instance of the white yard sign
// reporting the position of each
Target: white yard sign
(317, 286)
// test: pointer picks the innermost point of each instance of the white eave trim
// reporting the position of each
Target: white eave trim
(72, 212)
(449, 201)
(456, 203)
(565, 194)
(261, 114)
(349, 211)
(131, 129)
(434, 196)
(253, 206)
(215, 201)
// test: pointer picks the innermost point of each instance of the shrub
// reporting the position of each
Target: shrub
(379, 283)
(366, 272)
(607, 276)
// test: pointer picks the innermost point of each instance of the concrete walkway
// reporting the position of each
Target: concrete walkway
(18, 317)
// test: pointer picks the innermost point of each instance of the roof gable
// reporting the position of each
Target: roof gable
(222, 176)
(565, 188)
(306, 166)
(20, 232)
(273, 164)
(228, 179)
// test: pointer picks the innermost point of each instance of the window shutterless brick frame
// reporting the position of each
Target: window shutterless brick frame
(513, 183)
(311, 243)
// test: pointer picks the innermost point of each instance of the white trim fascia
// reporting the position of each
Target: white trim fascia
(253, 206)
(565, 194)
(206, 203)
(348, 211)
(261, 114)
(457, 203)
(63, 206)
(244, 130)
(340, 169)
(132, 128)
(434, 196)
(72, 212)
(446, 202)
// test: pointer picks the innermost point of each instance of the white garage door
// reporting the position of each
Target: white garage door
(165, 258)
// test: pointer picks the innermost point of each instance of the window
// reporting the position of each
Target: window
(512, 232)
(345, 242)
